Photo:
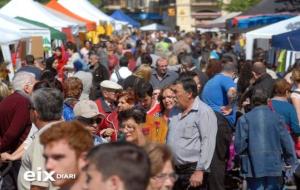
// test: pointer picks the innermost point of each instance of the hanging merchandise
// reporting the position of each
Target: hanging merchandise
(92, 36)
(100, 29)
(108, 29)
(281, 61)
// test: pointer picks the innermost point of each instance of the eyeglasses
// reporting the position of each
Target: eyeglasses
(128, 128)
(164, 176)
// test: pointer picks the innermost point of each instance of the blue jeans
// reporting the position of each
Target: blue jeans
(265, 183)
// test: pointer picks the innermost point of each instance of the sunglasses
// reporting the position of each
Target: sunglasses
(89, 121)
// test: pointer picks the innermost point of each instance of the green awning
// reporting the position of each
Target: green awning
(55, 34)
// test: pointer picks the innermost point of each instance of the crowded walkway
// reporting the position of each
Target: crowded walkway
(150, 111)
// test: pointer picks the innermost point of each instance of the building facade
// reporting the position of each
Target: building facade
(191, 13)
(186, 14)
(134, 5)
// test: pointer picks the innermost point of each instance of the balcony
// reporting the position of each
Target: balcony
(206, 15)
(206, 3)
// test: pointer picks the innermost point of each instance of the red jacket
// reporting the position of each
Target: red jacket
(62, 60)
(113, 61)
(110, 119)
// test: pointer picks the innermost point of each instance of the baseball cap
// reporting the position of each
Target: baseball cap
(86, 108)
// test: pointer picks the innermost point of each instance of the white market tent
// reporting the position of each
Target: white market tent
(75, 30)
(34, 11)
(154, 27)
(12, 30)
(23, 28)
(65, 17)
(268, 31)
(88, 11)
(9, 37)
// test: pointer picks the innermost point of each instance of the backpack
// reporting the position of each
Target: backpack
(120, 79)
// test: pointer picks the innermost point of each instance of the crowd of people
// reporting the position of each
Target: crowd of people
(150, 111)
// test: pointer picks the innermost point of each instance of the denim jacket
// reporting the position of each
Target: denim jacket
(263, 143)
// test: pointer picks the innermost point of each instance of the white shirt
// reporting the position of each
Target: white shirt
(272, 73)
(124, 73)
(30, 136)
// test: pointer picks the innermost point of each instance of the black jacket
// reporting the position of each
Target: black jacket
(100, 73)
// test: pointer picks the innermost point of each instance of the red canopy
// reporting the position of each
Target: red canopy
(90, 25)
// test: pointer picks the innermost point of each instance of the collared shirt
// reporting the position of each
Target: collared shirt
(166, 80)
(34, 161)
(192, 138)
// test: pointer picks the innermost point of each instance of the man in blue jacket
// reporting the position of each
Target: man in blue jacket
(264, 145)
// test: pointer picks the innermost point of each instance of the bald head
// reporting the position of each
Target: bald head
(259, 68)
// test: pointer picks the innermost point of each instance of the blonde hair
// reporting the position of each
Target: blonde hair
(158, 154)
(144, 71)
(4, 90)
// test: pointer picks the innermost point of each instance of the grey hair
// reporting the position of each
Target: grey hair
(21, 79)
(161, 58)
(48, 102)
(186, 59)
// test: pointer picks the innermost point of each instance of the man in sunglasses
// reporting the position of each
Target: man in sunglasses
(87, 113)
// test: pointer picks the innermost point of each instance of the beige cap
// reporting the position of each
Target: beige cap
(86, 108)
(110, 85)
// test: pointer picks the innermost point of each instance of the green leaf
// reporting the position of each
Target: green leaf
(240, 5)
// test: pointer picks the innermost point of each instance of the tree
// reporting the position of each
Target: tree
(3, 2)
(239, 5)
(97, 3)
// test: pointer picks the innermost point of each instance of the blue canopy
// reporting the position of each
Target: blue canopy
(119, 15)
(146, 16)
(261, 20)
(288, 41)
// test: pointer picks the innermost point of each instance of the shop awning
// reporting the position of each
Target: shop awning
(146, 16)
(55, 34)
(53, 4)
(120, 15)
